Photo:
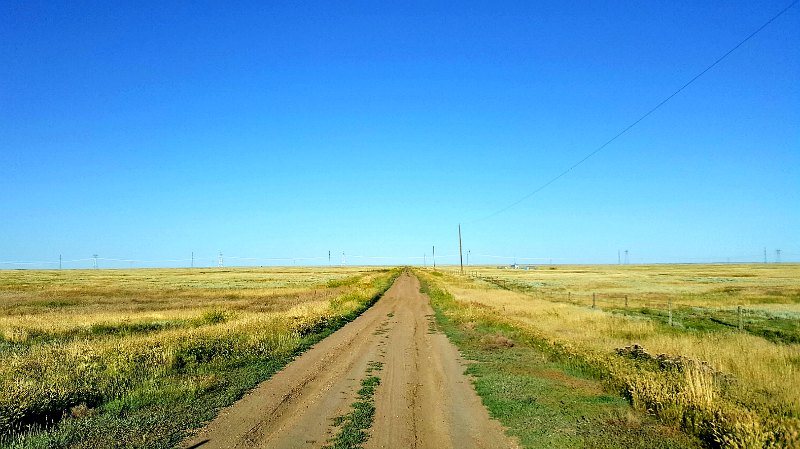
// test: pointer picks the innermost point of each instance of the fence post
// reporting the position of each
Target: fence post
(594, 300)
(741, 323)
(626, 301)
(569, 296)
(670, 313)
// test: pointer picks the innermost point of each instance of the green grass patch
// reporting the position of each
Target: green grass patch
(353, 426)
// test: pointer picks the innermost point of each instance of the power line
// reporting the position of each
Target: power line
(622, 258)
(644, 116)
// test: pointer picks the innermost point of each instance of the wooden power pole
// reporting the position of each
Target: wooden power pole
(460, 253)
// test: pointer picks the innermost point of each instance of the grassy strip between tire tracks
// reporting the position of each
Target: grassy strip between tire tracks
(353, 426)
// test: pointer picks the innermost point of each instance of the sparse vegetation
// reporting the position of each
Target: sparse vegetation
(352, 427)
(134, 358)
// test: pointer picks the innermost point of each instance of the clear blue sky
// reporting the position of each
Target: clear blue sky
(267, 129)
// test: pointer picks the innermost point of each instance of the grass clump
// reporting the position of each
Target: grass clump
(214, 316)
(343, 282)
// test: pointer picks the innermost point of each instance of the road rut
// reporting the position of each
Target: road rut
(424, 399)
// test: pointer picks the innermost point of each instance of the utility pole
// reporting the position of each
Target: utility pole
(219, 260)
(619, 258)
(329, 257)
(59, 261)
(626, 257)
(192, 259)
(94, 256)
(777, 256)
(344, 260)
(434, 257)
(468, 251)
(460, 253)
(765, 255)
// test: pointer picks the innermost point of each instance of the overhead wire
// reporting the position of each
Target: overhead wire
(638, 120)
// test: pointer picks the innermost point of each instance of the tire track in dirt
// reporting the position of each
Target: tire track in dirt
(424, 399)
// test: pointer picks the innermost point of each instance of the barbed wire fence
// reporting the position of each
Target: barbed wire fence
(671, 312)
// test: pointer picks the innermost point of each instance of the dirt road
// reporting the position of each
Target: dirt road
(423, 401)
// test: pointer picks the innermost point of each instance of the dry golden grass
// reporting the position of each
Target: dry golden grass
(755, 285)
(57, 302)
(769, 368)
(83, 338)
(745, 385)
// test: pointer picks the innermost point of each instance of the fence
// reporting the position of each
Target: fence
(626, 303)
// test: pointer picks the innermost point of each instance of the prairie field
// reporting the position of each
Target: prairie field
(643, 357)
(678, 349)
(133, 358)
(720, 285)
